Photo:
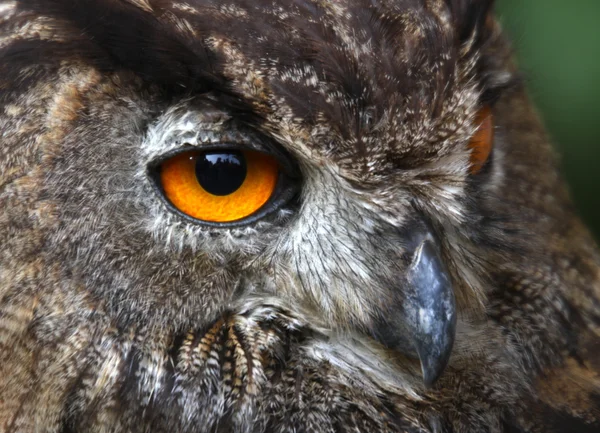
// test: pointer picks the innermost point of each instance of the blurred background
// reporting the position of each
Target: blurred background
(558, 47)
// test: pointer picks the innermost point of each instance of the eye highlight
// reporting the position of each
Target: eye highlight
(219, 185)
(483, 141)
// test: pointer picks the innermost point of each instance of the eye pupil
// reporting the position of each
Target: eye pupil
(221, 173)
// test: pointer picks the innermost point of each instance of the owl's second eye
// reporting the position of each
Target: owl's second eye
(219, 186)
(482, 142)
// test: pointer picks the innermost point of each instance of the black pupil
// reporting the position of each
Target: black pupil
(221, 173)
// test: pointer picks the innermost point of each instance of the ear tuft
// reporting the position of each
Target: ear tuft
(470, 16)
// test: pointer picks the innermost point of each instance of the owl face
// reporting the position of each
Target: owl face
(369, 135)
(335, 161)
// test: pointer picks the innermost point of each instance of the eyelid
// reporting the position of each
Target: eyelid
(179, 130)
(286, 162)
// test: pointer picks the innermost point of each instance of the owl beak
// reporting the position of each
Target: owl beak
(430, 310)
(423, 321)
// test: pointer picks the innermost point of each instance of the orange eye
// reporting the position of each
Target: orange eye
(482, 142)
(219, 185)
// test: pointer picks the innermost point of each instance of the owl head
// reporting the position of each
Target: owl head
(364, 180)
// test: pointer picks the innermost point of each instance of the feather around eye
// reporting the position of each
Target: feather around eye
(483, 141)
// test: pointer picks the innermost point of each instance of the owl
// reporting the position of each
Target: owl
(284, 216)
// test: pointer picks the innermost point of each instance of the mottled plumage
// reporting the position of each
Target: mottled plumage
(118, 314)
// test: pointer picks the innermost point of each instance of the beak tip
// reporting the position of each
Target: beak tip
(428, 378)
(432, 368)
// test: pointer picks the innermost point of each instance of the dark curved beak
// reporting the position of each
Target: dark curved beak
(430, 310)
(423, 323)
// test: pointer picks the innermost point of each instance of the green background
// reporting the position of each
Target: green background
(558, 47)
